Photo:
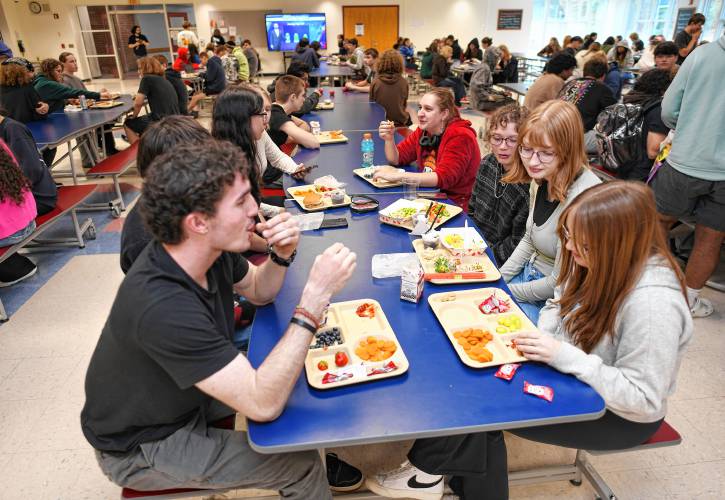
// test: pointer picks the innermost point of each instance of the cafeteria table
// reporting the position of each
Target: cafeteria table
(520, 89)
(63, 127)
(352, 111)
(332, 70)
(438, 396)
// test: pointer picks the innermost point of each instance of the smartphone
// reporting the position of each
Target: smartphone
(332, 223)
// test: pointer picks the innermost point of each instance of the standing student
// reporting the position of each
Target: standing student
(490, 53)
(18, 96)
(161, 96)
(444, 147)
(186, 36)
(284, 127)
(370, 59)
(547, 86)
(390, 88)
(691, 181)
(500, 210)
(252, 58)
(442, 74)
(619, 322)
(138, 42)
(686, 40)
(217, 38)
(552, 155)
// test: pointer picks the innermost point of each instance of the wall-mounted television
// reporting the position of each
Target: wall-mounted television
(284, 31)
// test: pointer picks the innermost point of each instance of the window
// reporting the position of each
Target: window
(714, 11)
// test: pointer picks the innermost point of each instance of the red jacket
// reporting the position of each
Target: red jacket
(456, 160)
(182, 60)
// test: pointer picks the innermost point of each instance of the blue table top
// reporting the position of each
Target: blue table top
(438, 395)
(353, 111)
(340, 160)
(61, 127)
(331, 70)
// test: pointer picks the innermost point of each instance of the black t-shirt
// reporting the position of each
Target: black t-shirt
(161, 96)
(543, 208)
(652, 123)
(164, 334)
(277, 118)
(590, 97)
(134, 238)
(140, 51)
(682, 40)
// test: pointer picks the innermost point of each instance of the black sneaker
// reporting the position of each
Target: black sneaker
(342, 476)
(15, 269)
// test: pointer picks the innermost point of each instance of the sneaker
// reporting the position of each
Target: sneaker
(701, 308)
(407, 482)
(342, 476)
(15, 269)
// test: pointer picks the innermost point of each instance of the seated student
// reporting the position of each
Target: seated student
(442, 76)
(302, 71)
(507, 68)
(473, 51)
(490, 53)
(452, 42)
(17, 217)
(619, 322)
(51, 89)
(547, 86)
(370, 60)
(621, 54)
(500, 210)
(174, 78)
(306, 54)
(5, 51)
(444, 147)
(426, 62)
(161, 96)
(608, 44)
(648, 91)
(590, 96)
(17, 95)
(230, 64)
(585, 55)
(243, 64)
(214, 79)
(647, 59)
(574, 45)
(407, 50)
(552, 154)
(551, 48)
(70, 68)
(289, 92)
(183, 63)
(356, 54)
(666, 55)
(162, 136)
(390, 88)
(172, 321)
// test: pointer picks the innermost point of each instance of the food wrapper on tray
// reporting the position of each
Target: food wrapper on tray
(390, 265)
(309, 222)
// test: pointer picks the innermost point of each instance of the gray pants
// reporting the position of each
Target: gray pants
(198, 456)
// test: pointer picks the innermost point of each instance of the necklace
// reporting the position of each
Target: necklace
(495, 186)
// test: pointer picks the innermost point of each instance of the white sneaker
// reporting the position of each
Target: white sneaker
(407, 482)
(701, 308)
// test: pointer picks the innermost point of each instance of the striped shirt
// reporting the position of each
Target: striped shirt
(499, 210)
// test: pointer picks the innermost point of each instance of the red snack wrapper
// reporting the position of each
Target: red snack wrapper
(540, 391)
(494, 305)
(330, 378)
(508, 371)
(386, 368)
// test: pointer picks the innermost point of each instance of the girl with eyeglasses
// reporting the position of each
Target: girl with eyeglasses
(551, 154)
(619, 322)
(444, 147)
(500, 210)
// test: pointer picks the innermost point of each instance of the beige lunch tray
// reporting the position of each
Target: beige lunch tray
(106, 104)
(324, 106)
(298, 193)
(468, 264)
(383, 184)
(328, 138)
(387, 215)
(354, 330)
(458, 311)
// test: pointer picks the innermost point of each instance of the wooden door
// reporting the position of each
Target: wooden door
(380, 25)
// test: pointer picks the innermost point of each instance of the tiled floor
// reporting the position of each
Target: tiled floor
(58, 314)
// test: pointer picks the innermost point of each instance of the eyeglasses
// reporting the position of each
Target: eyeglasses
(263, 114)
(544, 156)
(497, 140)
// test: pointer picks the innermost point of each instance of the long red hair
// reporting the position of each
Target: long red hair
(615, 227)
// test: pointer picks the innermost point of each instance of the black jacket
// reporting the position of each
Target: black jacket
(174, 78)
(20, 103)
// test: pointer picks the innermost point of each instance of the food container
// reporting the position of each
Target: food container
(462, 241)
(328, 101)
(411, 282)
(337, 197)
(431, 239)
(315, 127)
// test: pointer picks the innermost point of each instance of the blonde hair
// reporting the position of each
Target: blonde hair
(553, 125)
(505, 53)
(149, 65)
(615, 227)
(446, 51)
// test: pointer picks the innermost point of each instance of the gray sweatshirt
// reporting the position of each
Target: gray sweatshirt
(635, 372)
(541, 246)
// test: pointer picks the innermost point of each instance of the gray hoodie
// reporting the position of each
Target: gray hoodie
(628, 58)
(635, 372)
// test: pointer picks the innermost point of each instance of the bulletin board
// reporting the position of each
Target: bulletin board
(509, 19)
(245, 24)
(683, 15)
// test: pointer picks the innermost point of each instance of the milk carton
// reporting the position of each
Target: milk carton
(411, 282)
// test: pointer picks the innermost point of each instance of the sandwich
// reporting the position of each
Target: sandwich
(312, 200)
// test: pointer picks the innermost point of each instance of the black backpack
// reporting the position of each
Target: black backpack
(620, 135)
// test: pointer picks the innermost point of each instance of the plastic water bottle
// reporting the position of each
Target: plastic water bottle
(368, 150)
(84, 102)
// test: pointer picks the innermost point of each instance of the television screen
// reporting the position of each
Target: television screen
(284, 31)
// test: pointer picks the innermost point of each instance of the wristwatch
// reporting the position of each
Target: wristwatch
(279, 260)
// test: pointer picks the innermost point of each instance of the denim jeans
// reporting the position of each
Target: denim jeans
(531, 309)
(18, 236)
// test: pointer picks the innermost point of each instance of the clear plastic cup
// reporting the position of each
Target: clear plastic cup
(410, 188)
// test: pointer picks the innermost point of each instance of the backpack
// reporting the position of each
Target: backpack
(620, 135)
